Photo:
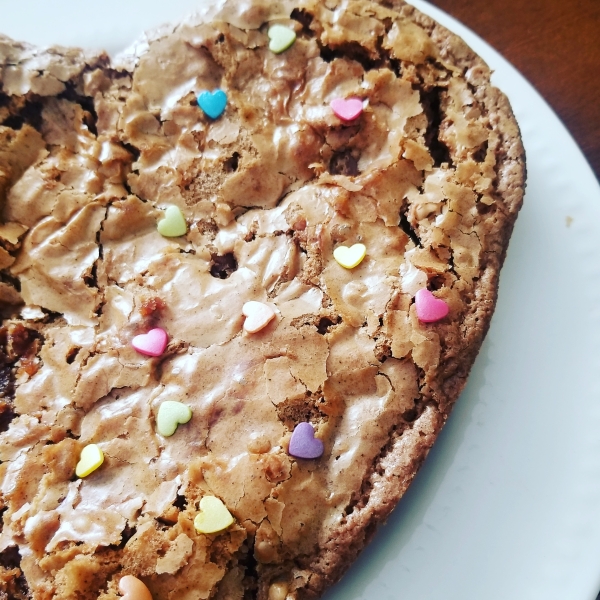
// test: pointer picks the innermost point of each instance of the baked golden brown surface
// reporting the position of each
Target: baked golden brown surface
(429, 177)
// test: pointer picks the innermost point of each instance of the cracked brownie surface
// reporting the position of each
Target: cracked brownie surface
(429, 178)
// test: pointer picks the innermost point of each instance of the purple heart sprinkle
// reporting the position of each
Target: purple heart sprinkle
(303, 443)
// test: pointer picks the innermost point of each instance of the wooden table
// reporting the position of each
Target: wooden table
(555, 44)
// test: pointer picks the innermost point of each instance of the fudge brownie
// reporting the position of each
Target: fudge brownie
(245, 269)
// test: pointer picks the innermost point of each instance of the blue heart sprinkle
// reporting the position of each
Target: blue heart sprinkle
(213, 103)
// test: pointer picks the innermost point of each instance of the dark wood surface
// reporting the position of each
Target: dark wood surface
(555, 44)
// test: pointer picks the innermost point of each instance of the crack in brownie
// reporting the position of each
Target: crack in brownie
(245, 270)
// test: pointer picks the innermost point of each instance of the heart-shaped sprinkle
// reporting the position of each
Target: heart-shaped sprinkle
(429, 308)
(133, 589)
(258, 316)
(152, 343)
(280, 38)
(213, 103)
(90, 459)
(170, 415)
(173, 224)
(347, 109)
(304, 444)
(350, 257)
(278, 590)
(213, 517)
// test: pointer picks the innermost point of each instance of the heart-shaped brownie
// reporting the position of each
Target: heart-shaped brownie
(318, 238)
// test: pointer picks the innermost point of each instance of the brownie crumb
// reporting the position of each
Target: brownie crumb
(152, 308)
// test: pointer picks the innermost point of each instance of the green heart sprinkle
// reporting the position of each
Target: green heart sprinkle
(281, 38)
(170, 415)
(173, 224)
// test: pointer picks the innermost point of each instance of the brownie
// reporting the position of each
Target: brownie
(271, 221)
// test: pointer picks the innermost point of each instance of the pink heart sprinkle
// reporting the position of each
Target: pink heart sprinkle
(152, 343)
(347, 109)
(304, 444)
(429, 308)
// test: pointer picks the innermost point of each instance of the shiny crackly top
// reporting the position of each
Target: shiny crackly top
(268, 190)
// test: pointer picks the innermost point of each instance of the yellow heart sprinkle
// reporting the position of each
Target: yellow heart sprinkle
(350, 257)
(173, 224)
(91, 458)
(213, 517)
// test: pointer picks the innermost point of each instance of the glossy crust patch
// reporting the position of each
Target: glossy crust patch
(128, 207)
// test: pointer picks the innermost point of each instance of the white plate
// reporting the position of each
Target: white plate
(507, 504)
